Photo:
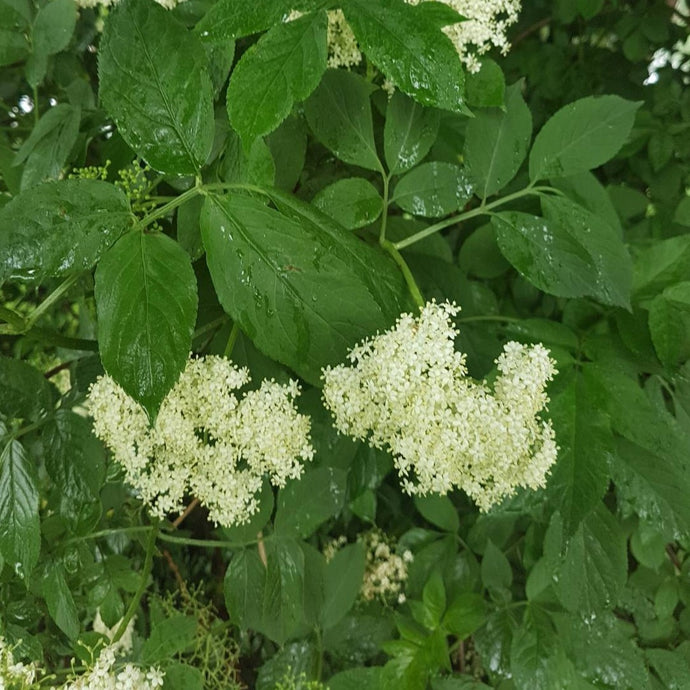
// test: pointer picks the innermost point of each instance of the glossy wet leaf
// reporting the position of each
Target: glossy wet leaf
(302, 288)
(20, 535)
(339, 114)
(409, 47)
(154, 83)
(433, 189)
(353, 202)
(344, 575)
(60, 601)
(27, 395)
(60, 228)
(283, 67)
(581, 136)
(409, 132)
(147, 301)
(497, 141)
(230, 19)
(307, 502)
(669, 324)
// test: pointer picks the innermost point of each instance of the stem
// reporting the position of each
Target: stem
(479, 211)
(29, 428)
(49, 337)
(207, 543)
(110, 532)
(36, 115)
(49, 301)
(232, 339)
(261, 548)
(407, 274)
(384, 212)
(470, 319)
(319, 659)
(210, 326)
(145, 573)
(170, 206)
(182, 516)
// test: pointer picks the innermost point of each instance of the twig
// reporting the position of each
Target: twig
(532, 29)
(261, 548)
(182, 516)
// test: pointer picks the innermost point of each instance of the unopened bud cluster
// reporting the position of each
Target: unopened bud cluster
(205, 441)
(408, 391)
(15, 674)
(386, 571)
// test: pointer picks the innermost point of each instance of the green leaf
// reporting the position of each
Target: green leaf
(53, 27)
(496, 143)
(662, 264)
(283, 274)
(486, 88)
(458, 682)
(466, 614)
(288, 146)
(434, 600)
(595, 566)
(339, 114)
(255, 166)
(59, 600)
(146, 300)
(439, 511)
(581, 136)
(409, 133)
(247, 532)
(244, 589)
(671, 666)
(13, 30)
(171, 636)
(26, 394)
(179, 676)
(353, 202)
(282, 67)
(480, 256)
(580, 477)
(230, 19)
(60, 228)
(682, 212)
(155, 85)
(306, 502)
(669, 324)
(496, 571)
(49, 145)
(409, 47)
(289, 667)
(20, 534)
(343, 581)
(493, 641)
(433, 189)
(356, 679)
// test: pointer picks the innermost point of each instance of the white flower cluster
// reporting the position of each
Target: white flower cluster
(409, 391)
(386, 571)
(103, 676)
(14, 675)
(205, 441)
(86, 4)
(485, 26)
(126, 643)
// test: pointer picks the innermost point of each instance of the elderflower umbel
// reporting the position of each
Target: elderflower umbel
(14, 674)
(409, 391)
(485, 26)
(104, 676)
(205, 441)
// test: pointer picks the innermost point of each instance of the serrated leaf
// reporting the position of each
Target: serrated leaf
(581, 136)
(154, 83)
(60, 601)
(496, 143)
(282, 274)
(343, 580)
(306, 502)
(230, 19)
(26, 394)
(339, 114)
(147, 301)
(20, 534)
(170, 637)
(60, 228)
(352, 201)
(409, 47)
(433, 189)
(283, 67)
(466, 613)
(409, 133)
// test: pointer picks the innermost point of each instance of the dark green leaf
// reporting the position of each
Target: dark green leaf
(409, 133)
(466, 613)
(439, 511)
(230, 19)
(155, 85)
(409, 47)
(244, 589)
(171, 636)
(353, 202)
(188, 231)
(343, 581)
(60, 228)
(59, 599)
(669, 324)
(284, 66)
(255, 166)
(581, 136)
(496, 143)
(20, 535)
(303, 289)
(54, 26)
(496, 571)
(339, 114)
(480, 256)
(433, 189)
(306, 502)
(682, 212)
(13, 29)
(26, 394)
(486, 88)
(493, 641)
(247, 532)
(146, 300)
(288, 146)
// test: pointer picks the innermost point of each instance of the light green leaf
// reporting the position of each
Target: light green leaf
(284, 66)
(581, 136)
(171, 636)
(256, 166)
(306, 502)
(61, 606)
(302, 288)
(439, 511)
(466, 613)
(155, 85)
(669, 324)
(339, 114)
(60, 228)
(343, 581)
(146, 300)
(661, 264)
(352, 201)
(20, 535)
(433, 189)
(496, 143)
(356, 679)
(409, 133)
(409, 47)
(179, 676)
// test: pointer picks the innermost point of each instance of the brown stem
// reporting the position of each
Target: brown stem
(531, 29)
(181, 518)
(176, 572)
(673, 556)
(261, 547)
